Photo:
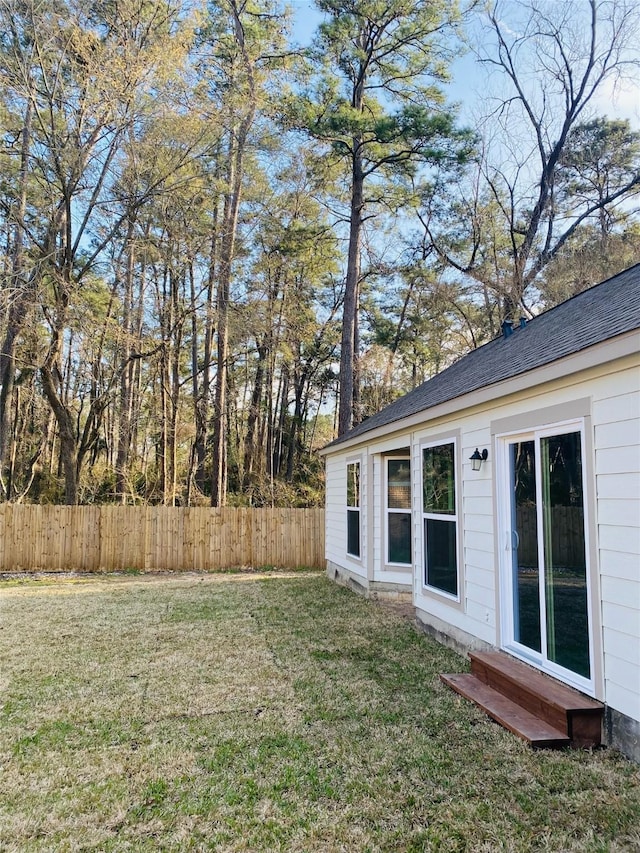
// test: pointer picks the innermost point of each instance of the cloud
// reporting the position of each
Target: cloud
(619, 99)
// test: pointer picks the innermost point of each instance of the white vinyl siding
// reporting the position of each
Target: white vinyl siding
(616, 486)
(617, 450)
(335, 499)
(336, 515)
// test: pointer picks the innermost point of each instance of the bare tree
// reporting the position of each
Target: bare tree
(65, 67)
(550, 62)
(245, 39)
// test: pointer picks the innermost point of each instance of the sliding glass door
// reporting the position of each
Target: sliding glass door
(545, 576)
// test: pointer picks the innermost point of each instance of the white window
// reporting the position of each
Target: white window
(440, 517)
(398, 510)
(353, 509)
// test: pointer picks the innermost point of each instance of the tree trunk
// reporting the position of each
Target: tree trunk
(126, 378)
(348, 354)
(203, 395)
(174, 388)
(299, 384)
(23, 292)
(238, 133)
(66, 431)
(253, 417)
(230, 219)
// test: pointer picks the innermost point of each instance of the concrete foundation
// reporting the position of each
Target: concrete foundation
(447, 635)
(369, 589)
(622, 733)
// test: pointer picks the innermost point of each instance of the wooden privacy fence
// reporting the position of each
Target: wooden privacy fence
(108, 538)
(567, 537)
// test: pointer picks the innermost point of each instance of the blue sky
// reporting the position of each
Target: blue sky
(306, 20)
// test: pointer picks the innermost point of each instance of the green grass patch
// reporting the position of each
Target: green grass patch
(263, 713)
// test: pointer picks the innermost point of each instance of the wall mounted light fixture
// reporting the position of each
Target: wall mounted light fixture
(477, 458)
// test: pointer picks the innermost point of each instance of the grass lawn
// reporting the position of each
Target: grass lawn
(265, 713)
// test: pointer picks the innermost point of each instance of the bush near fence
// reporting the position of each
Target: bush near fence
(108, 538)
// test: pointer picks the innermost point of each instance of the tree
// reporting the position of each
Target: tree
(68, 77)
(601, 157)
(420, 321)
(245, 37)
(377, 105)
(21, 289)
(134, 167)
(546, 168)
(586, 259)
(291, 315)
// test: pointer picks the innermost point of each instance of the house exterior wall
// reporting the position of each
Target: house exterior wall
(606, 399)
(617, 463)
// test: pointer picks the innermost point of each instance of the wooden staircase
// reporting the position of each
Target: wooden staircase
(533, 706)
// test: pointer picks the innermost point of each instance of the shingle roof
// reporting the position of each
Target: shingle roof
(600, 313)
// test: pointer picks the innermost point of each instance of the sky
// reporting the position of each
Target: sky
(306, 19)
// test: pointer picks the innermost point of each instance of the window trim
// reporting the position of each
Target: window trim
(353, 510)
(454, 518)
(397, 511)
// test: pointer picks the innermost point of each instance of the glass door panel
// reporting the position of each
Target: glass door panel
(524, 524)
(564, 553)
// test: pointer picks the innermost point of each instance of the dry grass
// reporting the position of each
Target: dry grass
(245, 713)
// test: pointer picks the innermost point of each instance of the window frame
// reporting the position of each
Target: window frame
(397, 511)
(354, 509)
(452, 518)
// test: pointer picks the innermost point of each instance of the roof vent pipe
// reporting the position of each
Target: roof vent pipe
(507, 328)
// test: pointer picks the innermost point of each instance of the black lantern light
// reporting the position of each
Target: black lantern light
(478, 458)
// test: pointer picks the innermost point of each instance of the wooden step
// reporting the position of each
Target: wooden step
(563, 708)
(512, 716)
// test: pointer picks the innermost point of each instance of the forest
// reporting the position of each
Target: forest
(230, 233)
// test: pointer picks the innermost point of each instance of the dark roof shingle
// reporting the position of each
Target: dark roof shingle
(604, 311)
